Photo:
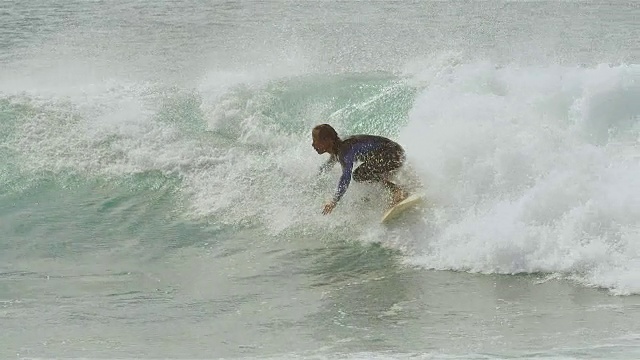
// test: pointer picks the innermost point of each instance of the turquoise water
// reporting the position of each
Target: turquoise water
(160, 196)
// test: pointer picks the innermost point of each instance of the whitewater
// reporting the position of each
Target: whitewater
(160, 196)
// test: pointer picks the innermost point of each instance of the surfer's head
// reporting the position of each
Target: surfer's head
(325, 139)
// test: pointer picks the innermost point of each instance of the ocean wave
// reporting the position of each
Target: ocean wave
(527, 169)
(533, 169)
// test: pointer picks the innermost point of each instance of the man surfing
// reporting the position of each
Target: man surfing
(380, 158)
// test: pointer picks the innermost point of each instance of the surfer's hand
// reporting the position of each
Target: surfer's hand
(328, 207)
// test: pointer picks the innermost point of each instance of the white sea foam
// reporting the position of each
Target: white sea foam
(528, 169)
(532, 169)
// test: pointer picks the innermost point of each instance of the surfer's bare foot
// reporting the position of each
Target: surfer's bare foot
(397, 196)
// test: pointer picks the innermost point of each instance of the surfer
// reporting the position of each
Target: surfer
(380, 159)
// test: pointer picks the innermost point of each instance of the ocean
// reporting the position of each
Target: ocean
(160, 197)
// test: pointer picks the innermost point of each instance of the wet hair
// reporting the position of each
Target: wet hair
(325, 132)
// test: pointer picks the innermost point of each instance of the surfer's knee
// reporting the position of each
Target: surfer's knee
(365, 173)
(360, 175)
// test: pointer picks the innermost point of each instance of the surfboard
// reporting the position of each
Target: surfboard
(400, 207)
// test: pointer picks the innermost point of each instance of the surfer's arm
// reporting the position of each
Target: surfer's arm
(347, 165)
(345, 179)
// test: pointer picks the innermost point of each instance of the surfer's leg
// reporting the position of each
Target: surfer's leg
(380, 167)
(397, 193)
(371, 172)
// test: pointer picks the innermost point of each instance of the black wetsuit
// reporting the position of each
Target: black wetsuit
(379, 156)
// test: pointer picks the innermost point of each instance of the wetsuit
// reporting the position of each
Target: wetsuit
(379, 156)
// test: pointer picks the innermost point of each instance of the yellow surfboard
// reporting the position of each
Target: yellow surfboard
(400, 207)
